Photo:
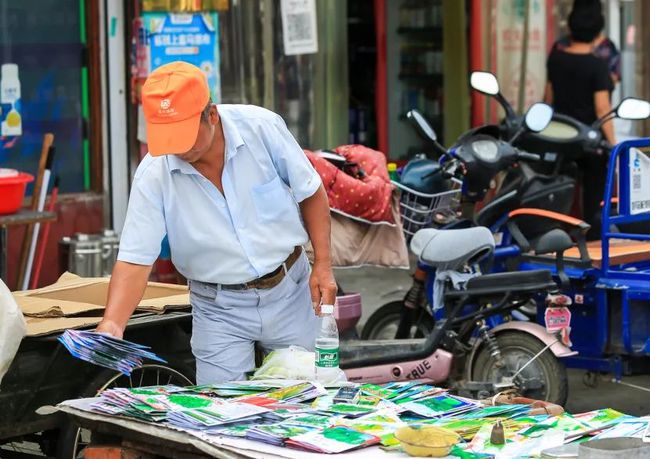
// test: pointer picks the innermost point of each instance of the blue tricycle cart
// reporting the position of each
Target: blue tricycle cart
(608, 280)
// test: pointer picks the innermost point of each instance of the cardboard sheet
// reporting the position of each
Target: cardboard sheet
(75, 302)
(48, 326)
(72, 295)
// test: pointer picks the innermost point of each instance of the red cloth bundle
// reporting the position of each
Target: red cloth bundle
(367, 197)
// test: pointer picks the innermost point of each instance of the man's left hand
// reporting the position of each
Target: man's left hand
(322, 285)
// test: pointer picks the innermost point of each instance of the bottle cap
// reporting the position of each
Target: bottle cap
(9, 71)
(327, 308)
(392, 167)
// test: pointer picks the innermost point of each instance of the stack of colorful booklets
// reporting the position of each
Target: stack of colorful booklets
(106, 351)
(305, 415)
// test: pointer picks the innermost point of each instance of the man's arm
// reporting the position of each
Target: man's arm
(316, 215)
(548, 93)
(125, 291)
(603, 107)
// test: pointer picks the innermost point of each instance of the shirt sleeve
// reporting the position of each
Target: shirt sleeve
(602, 79)
(291, 163)
(144, 227)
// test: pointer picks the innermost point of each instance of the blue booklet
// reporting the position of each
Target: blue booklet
(107, 351)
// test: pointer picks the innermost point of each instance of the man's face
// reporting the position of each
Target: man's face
(204, 138)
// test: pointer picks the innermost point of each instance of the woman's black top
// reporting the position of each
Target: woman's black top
(575, 78)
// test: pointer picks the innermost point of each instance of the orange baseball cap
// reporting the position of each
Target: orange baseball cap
(173, 97)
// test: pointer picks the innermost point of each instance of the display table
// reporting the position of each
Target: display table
(163, 441)
(22, 217)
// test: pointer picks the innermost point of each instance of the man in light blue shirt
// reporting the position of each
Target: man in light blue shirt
(238, 199)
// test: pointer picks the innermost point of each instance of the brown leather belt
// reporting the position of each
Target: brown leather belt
(271, 279)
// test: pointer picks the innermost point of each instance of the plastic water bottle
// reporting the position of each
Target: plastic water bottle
(10, 101)
(327, 346)
(392, 172)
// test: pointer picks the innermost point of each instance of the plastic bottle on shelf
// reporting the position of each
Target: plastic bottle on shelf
(327, 346)
(10, 100)
(392, 172)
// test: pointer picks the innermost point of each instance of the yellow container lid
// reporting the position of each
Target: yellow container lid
(426, 441)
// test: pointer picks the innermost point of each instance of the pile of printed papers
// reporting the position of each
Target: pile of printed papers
(303, 415)
(106, 351)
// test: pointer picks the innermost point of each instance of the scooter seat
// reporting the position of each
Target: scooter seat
(514, 282)
(451, 249)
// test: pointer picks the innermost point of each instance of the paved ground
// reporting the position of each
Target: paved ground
(379, 286)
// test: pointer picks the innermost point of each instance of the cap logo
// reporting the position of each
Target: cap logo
(165, 104)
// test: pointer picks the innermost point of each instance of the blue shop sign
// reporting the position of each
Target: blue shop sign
(191, 38)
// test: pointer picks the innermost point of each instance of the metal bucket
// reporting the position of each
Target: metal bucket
(611, 448)
(89, 255)
(83, 253)
(569, 451)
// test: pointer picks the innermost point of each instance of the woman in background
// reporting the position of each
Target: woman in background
(580, 85)
(603, 47)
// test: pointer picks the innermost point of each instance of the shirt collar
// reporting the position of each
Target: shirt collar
(176, 164)
(233, 141)
(231, 136)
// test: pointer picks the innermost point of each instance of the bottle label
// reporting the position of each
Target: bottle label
(11, 122)
(327, 358)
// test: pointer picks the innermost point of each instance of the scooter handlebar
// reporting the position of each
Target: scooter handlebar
(528, 156)
(442, 171)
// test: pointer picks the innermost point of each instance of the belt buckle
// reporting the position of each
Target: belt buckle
(282, 271)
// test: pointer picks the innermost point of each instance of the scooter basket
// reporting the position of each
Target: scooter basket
(421, 210)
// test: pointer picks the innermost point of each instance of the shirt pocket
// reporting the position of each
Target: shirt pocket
(273, 201)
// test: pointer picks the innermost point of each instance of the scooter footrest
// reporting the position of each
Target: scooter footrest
(376, 349)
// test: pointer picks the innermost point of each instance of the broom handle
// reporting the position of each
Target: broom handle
(48, 139)
(38, 263)
(37, 228)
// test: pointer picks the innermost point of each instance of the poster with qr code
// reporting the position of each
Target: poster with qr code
(639, 182)
(299, 27)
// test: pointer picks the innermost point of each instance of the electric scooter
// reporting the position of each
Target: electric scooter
(552, 236)
(464, 349)
(472, 162)
(550, 183)
(606, 279)
(475, 160)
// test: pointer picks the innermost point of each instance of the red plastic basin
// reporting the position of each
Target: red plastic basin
(347, 311)
(12, 192)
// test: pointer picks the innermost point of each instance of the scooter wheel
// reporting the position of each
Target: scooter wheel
(517, 349)
(384, 322)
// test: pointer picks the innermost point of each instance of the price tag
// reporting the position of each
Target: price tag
(557, 319)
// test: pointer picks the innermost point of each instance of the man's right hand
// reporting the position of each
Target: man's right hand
(125, 291)
(111, 328)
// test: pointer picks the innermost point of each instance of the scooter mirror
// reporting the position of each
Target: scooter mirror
(538, 117)
(484, 82)
(633, 109)
(422, 125)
